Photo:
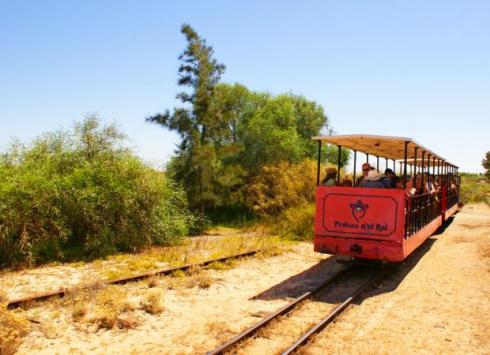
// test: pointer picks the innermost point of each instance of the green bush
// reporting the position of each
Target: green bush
(83, 194)
(297, 222)
(474, 188)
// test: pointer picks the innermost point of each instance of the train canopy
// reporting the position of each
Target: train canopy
(381, 146)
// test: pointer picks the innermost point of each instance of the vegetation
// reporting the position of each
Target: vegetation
(13, 328)
(474, 188)
(486, 165)
(82, 193)
(243, 155)
(232, 138)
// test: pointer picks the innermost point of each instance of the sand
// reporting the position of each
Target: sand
(437, 303)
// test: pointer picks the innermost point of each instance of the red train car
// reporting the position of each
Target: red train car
(385, 224)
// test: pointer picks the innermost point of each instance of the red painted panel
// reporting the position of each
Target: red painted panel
(360, 213)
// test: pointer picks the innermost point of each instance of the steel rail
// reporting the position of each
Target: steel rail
(281, 311)
(62, 292)
(332, 315)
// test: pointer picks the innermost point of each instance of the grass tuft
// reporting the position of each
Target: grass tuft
(13, 328)
(153, 302)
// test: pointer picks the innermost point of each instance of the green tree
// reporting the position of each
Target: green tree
(486, 165)
(268, 129)
(194, 122)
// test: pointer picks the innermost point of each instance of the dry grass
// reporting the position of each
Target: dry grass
(195, 277)
(79, 311)
(153, 281)
(108, 305)
(13, 328)
(220, 330)
(195, 251)
(153, 302)
(223, 265)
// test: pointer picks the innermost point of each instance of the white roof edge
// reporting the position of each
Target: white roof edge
(371, 136)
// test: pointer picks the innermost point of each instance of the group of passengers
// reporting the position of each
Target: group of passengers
(371, 178)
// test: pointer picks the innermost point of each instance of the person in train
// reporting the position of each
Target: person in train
(372, 180)
(331, 177)
(429, 187)
(366, 168)
(410, 190)
(388, 179)
(347, 182)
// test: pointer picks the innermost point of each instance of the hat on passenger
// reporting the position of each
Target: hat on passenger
(331, 171)
(366, 166)
(373, 175)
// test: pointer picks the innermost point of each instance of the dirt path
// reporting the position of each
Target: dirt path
(439, 303)
(442, 304)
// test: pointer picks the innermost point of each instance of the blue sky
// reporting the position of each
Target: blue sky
(406, 68)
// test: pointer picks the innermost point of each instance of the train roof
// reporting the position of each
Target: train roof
(382, 146)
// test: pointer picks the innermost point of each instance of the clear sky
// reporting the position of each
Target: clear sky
(414, 68)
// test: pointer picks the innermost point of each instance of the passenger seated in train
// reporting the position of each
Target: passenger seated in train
(388, 178)
(429, 187)
(410, 190)
(331, 177)
(366, 168)
(372, 180)
(453, 186)
(347, 182)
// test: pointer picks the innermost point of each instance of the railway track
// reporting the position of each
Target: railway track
(297, 309)
(136, 277)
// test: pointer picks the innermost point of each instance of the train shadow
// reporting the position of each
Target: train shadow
(444, 226)
(309, 279)
(303, 282)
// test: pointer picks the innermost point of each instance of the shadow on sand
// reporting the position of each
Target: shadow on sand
(307, 280)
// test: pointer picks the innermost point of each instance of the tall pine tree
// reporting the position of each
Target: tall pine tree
(196, 160)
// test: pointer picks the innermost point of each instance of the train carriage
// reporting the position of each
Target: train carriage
(385, 224)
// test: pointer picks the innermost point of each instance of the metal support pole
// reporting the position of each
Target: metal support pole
(338, 164)
(428, 168)
(377, 163)
(405, 165)
(319, 160)
(367, 157)
(355, 162)
(423, 161)
(415, 165)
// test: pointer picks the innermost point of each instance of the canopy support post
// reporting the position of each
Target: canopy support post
(405, 165)
(415, 166)
(338, 164)
(355, 162)
(319, 160)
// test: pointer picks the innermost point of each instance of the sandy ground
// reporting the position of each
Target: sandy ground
(193, 320)
(56, 276)
(437, 303)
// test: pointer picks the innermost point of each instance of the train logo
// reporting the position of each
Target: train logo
(358, 210)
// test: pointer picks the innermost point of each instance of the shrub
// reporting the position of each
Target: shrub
(282, 186)
(474, 188)
(82, 193)
(12, 329)
(153, 302)
(297, 222)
